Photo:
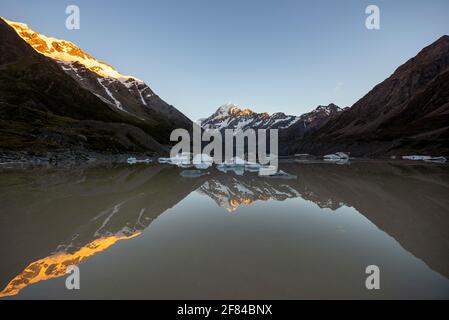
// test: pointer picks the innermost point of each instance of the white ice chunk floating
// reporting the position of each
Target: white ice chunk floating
(235, 164)
(202, 166)
(181, 160)
(133, 160)
(336, 156)
(267, 170)
(235, 161)
(425, 158)
(202, 161)
(238, 161)
(226, 167)
(202, 157)
(185, 165)
(416, 157)
(252, 167)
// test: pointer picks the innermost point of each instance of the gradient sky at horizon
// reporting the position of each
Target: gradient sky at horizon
(267, 55)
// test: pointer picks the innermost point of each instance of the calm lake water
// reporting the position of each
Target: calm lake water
(145, 232)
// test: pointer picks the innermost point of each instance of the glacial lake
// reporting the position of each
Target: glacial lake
(145, 232)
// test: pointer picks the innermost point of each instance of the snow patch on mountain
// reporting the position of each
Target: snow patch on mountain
(116, 102)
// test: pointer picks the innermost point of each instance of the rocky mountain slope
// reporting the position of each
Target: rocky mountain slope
(44, 108)
(124, 93)
(406, 113)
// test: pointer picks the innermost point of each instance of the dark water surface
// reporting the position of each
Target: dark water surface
(145, 232)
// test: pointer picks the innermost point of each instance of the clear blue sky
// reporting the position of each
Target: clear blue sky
(269, 55)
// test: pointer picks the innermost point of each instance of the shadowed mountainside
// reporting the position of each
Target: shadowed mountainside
(406, 113)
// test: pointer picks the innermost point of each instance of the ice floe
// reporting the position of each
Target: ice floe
(268, 170)
(425, 158)
(226, 167)
(180, 160)
(133, 160)
(336, 156)
(202, 161)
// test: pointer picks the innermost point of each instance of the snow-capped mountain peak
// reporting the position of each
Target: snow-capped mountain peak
(230, 116)
(233, 110)
(225, 108)
(66, 52)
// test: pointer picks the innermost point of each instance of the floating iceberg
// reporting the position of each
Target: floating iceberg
(268, 170)
(192, 173)
(132, 160)
(331, 157)
(202, 157)
(336, 156)
(226, 167)
(239, 166)
(416, 157)
(252, 167)
(236, 164)
(181, 160)
(185, 165)
(202, 166)
(425, 158)
(163, 160)
(202, 161)
(238, 161)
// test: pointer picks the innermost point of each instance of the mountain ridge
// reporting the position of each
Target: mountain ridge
(43, 108)
(231, 116)
(406, 113)
(122, 92)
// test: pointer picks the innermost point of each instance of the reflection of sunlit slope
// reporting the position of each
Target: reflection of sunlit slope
(48, 211)
(230, 192)
(55, 266)
(237, 202)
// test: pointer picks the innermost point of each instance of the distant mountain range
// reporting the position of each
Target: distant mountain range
(54, 95)
(230, 116)
(406, 113)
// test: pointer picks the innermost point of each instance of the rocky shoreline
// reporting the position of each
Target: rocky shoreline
(66, 158)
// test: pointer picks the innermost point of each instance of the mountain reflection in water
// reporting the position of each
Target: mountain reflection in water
(51, 219)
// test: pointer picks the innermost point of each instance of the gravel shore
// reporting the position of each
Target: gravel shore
(66, 158)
